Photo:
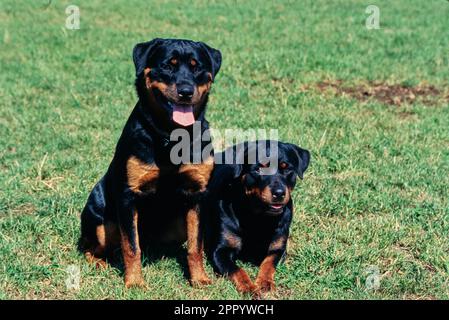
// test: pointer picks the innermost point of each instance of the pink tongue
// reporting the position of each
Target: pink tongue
(183, 115)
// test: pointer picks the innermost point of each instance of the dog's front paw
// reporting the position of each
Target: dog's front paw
(200, 281)
(99, 263)
(243, 282)
(135, 281)
(265, 285)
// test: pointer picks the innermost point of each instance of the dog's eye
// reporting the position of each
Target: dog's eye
(283, 165)
(194, 65)
(173, 61)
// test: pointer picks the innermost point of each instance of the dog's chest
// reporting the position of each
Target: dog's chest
(146, 179)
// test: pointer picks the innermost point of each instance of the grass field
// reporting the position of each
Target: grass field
(371, 105)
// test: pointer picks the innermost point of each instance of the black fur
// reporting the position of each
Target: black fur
(146, 137)
(250, 221)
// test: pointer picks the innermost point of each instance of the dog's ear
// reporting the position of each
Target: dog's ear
(228, 164)
(232, 160)
(303, 157)
(214, 57)
(142, 53)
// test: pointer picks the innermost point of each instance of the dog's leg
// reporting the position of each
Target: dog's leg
(224, 260)
(265, 277)
(194, 179)
(142, 177)
(95, 253)
(131, 250)
(242, 281)
(107, 238)
(195, 249)
(93, 240)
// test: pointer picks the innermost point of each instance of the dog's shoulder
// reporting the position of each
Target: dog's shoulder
(224, 175)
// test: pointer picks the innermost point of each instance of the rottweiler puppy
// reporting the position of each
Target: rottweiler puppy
(250, 209)
(145, 196)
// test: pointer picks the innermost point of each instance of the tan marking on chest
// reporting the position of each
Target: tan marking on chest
(232, 240)
(278, 244)
(196, 176)
(142, 177)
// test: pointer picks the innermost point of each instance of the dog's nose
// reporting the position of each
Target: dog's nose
(185, 91)
(278, 194)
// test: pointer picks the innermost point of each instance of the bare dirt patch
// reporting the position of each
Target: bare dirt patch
(395, 94)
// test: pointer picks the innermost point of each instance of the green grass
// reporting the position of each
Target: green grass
(376, 192)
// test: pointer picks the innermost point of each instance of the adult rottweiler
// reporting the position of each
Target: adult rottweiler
(251, 208)
(145, 196)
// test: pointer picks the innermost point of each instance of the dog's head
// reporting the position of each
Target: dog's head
(175, 77)
(269, 180)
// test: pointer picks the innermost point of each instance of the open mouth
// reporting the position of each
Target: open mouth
(181, 114)
(275, 208)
